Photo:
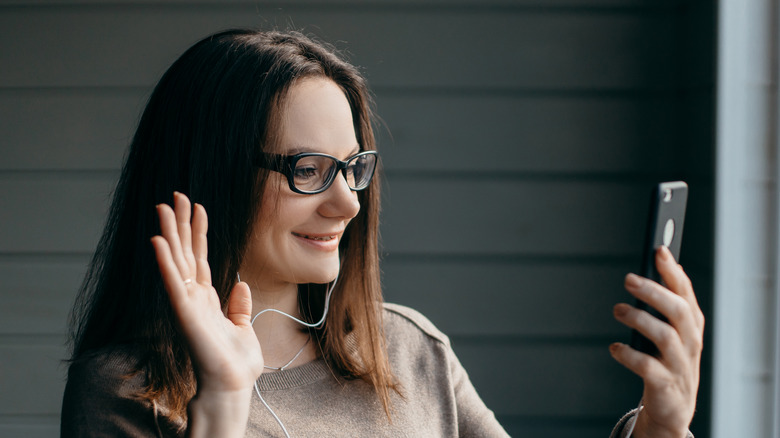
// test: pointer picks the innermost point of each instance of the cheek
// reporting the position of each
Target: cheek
(270, 205)
(281, 213)
(271, 192)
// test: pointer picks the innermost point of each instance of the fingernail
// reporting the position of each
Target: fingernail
(614, 347)
(663, 251)
(620, 310)
(633, 281)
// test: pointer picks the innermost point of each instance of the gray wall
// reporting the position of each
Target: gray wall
(522, 138)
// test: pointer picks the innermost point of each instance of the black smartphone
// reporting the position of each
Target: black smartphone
(664, 227)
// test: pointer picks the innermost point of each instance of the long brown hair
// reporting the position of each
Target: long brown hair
(205, 122)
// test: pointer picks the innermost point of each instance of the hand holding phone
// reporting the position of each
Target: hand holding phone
(664, 227)
(670, 383)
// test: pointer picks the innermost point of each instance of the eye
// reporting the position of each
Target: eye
(305, 172)
(358, 166)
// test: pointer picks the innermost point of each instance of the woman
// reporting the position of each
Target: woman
(271, 134)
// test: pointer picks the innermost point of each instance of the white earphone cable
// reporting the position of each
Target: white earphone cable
(276, 417)
(304, 323)
(317, 324)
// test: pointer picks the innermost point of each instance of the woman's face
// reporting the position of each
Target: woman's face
(296, 236)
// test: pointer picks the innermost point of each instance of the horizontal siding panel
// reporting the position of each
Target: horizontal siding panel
(540, 134)
(512, 378)
(84, 129)
(548, 428)
(35, 374)
(557, 427)
(133, 45)
(533, 217)
(53, 213)
(537, 300)
(26, 427)
(514, 217)
(90, 129)
(38, 295)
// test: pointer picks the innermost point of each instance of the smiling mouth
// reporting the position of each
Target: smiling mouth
(320, 238)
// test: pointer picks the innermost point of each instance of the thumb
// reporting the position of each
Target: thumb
(239, 309)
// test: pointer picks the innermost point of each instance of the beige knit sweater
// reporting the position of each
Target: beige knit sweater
(438, 398)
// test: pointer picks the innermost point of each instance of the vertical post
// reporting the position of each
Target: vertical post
(775, 138)
(745, 365)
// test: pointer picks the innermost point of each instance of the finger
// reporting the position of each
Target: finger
(645, 366)
(677, 281)
(174, 284)
(183, 209)
(200, 246)
(171, 235)
(663, 335)
(239, 309)
(674, 307)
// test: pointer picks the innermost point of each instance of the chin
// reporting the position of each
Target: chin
(328, 277)
(323, 273)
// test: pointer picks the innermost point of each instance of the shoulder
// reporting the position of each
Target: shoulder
(111, 369)
(402, 321)
(102, 397)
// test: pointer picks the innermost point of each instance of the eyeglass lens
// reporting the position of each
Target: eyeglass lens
(315, 172)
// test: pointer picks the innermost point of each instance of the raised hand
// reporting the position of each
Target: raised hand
(671, 380)
(225, 351)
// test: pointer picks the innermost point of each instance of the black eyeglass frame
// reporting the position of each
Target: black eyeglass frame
(285, 164)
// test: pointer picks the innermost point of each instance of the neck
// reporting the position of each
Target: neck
(280, 337)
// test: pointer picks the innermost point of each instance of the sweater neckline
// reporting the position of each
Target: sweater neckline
(293, 377)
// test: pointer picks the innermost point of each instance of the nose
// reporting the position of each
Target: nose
(341, 200)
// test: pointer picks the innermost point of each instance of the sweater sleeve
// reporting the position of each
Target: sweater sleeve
(474, 418)
(468, 411)
(100, 401)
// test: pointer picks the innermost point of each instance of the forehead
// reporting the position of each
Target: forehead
(316, 117)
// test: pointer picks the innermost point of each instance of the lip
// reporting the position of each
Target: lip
(315, 240)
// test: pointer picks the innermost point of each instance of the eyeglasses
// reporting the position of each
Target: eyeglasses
(311, 173)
